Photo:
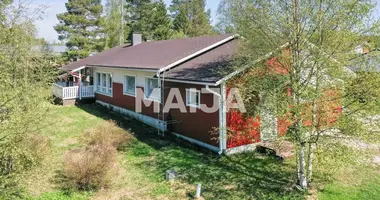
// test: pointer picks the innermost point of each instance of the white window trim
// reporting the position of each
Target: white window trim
(125, 85)
(188, 97)
(99, 90)
(145, 91)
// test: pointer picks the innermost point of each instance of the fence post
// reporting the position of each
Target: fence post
(80, 84)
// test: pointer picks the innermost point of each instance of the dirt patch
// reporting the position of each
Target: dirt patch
(376, 160)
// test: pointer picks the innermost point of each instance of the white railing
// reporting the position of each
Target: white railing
(88, 91)
(73, 92)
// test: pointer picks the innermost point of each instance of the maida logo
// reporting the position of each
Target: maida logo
(205, 100)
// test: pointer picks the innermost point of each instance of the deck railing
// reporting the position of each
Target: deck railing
(73, 92)
(88, 91)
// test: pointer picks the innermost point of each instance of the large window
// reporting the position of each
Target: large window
(130, 85)
(193, 97)
(104, 83)
(152, 90)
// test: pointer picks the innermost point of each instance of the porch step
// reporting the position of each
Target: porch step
(280, 149)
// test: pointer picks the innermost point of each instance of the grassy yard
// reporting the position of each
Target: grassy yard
(140, 172)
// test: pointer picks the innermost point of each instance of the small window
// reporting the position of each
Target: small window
(152, 90)
(193, 97)
(130, 85)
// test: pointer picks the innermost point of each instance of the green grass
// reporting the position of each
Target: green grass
(62, 196)
(363, 184)
(142, 166)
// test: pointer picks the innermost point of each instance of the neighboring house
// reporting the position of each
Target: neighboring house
(58, 49)
(141, 75)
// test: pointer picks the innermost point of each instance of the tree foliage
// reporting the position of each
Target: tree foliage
(191, 17)
(150, 18)
(25, 89)
(308, 79)
(82, 27)
(113, 23)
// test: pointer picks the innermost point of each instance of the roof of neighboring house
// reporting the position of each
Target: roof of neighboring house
(210, 66)
(366, 62)
(149, 55)
(58, 48)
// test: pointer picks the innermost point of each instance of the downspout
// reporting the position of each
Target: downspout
(221, 117)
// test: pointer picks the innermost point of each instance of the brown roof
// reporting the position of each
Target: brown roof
(210, 66)
(148, 55)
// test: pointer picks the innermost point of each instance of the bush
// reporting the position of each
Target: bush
(107, 134)
(38, 147)
(88, 168)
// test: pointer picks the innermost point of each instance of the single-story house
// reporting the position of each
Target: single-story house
(138, 79)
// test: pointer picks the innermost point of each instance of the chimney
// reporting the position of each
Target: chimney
(136, 39)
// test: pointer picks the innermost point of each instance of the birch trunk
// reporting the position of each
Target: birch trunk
(302, 163)
(310, 163)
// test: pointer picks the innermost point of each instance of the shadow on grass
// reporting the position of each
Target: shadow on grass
(244, 176)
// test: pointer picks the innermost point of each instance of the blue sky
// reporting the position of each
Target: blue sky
(45, 26)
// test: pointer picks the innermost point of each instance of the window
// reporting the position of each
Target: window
(193, 97)
(130, 85)
(152, 90)
(109, 83)
(103, 83)
(98, 79)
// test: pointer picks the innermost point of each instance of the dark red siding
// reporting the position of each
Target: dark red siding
(126, 101)
(198, 125)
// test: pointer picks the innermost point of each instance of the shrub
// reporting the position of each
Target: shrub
(107, 134)
(38, 147)
(88, 168)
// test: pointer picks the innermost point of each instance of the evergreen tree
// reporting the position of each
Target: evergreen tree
(191, 17)
(181, 22)
(150, 18)
(81, 27)
(200, 18)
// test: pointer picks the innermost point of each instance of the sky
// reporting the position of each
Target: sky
(45, 26)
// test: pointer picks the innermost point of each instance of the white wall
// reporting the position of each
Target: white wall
(118, 74)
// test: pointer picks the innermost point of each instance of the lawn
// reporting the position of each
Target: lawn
(140, 172)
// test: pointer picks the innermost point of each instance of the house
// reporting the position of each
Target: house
(149, 80)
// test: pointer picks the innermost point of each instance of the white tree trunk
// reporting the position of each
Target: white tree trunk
(302, 163)
(310, 163)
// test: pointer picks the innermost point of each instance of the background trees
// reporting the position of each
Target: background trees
(85, 30)
(312, 44)
(190, 17)
(150, 18)
(82, 27)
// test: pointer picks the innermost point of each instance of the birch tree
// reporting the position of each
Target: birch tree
(25, 85)
(307, 77)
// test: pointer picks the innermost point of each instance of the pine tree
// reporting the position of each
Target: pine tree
(151, 20)
(181, 22)
(191, 17)
(82, 27)
(200, 18)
